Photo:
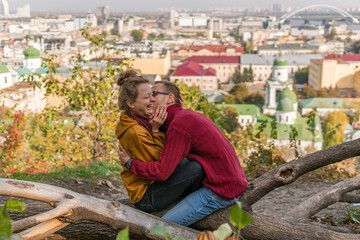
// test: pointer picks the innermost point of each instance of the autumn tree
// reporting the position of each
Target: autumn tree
(334, 127)
(255, 98)
(240, 92)
(231, 123)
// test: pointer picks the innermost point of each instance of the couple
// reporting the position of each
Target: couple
(192, 159)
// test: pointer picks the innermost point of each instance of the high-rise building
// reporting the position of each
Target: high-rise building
(102, 14)
(4, 8)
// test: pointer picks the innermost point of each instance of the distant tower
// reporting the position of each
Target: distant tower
(211, 29)
(173, 15)
(4, 8)
(279, 80)
(287, 107)
(32, 59)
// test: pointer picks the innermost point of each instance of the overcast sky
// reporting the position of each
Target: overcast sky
(153, 5)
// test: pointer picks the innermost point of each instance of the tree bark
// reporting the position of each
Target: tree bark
(71, 207)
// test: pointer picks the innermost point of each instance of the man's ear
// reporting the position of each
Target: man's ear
(130, 104)
(171, 99)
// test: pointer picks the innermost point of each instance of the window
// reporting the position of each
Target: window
(5, 80)
(287, 118)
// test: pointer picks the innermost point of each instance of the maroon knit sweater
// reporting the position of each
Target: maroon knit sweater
(190, 134)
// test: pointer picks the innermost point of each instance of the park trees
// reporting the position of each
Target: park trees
(137, 35)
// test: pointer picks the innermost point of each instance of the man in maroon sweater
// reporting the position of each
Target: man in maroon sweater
(191, 134)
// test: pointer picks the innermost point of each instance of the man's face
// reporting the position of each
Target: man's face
(160, 99)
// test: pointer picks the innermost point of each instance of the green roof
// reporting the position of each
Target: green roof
(279, 61)
(243, 109)
(3, 69)
(31, 52)
(283, 130)
(285, 105)
(42, 70)
(23, 71)
(287, 93)
(324, 103)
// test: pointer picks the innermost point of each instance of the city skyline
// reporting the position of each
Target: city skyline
(155, 5)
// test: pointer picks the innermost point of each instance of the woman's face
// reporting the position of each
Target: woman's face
(144, 103)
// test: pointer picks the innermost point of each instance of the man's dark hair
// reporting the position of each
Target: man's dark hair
(170, 88)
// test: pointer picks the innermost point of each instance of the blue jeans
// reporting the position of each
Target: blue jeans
(196, 206)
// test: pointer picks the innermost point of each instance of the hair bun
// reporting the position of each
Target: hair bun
(122, 77)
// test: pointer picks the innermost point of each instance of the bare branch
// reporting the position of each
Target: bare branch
(325, 198)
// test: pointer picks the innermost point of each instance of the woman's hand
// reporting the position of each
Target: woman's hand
(158, 118)
(123, 155)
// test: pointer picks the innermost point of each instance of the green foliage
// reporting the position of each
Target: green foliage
(231, 123)
(263, 156)
(255, 98)
(333, 128)
(12, 139)
(151, 36)
(356, 47)
(332, 35)
(123, 234)
(216, 35)
(240, 92)
(163, 231)
(354, 214)
(249, 47)
(246, 76)
(137, 35)
(293, 134)
(89, 97)
(309, 92)
(5, 222)
(302, 76)
(327, 173)
(223, 232)
(115, 32)
(196, 100)
(91, 172)
(239, 218)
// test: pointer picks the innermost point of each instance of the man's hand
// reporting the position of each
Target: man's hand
(123, 155)
(158, 118)
(181, 98)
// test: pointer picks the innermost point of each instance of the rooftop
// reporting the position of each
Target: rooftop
(213, 59)
(191, 68)
(334, 103)
(256, 59)
(346, 58)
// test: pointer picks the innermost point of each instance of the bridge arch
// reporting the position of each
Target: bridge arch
(335, 9)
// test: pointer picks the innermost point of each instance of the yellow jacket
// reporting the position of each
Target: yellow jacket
(139, 144)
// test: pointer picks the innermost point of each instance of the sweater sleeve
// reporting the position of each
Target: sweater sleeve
(159, 139)
(177, 145)
(140, 145)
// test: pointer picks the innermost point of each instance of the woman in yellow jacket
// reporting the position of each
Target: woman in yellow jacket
(138, 132)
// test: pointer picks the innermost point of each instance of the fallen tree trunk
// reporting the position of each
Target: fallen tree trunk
(70, 207)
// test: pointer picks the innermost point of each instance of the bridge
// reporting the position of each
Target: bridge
(335, 9)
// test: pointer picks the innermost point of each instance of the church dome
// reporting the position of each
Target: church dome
(31, 52)
(285, 105)
(279, 61)
(287, 93)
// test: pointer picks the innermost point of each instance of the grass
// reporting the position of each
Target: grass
(90, 173)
